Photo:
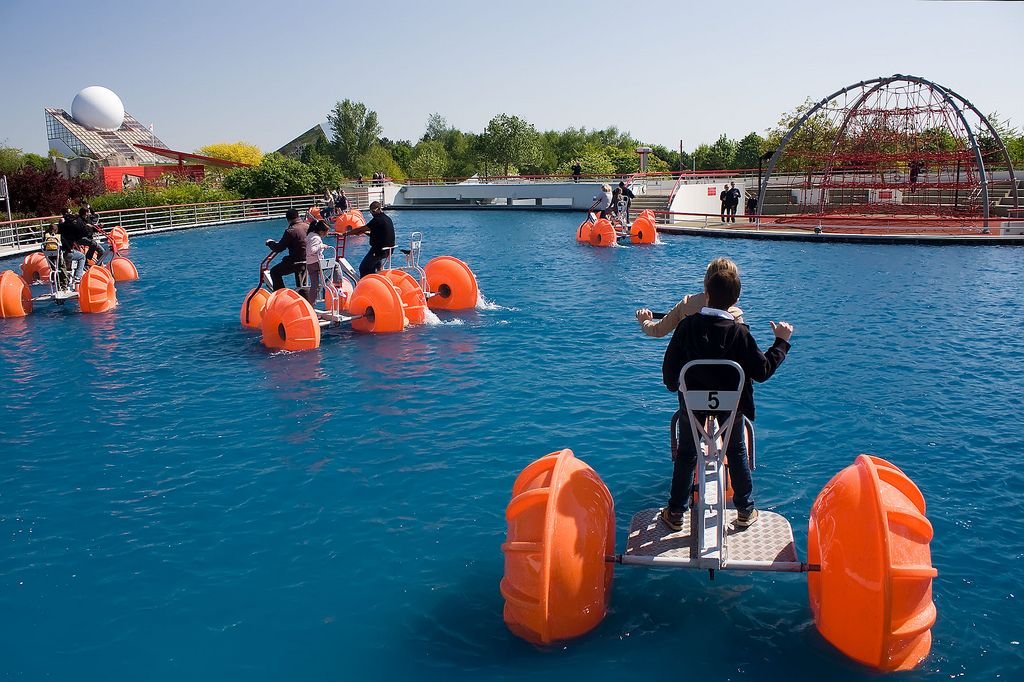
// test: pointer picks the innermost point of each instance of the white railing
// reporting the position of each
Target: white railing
(21, 236)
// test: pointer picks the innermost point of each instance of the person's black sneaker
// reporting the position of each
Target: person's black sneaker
(673, 520)
(745, 519)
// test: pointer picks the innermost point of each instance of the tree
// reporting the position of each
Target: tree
(47, 193)
(430, 160)
(401, 151)
(240, 152)
(379, 159)
(11, 160)
(748, 151)
(355, 130)
(511, 141)
(437, 128)
(275, 176)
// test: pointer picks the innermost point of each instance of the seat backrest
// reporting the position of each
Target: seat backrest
(711, 392)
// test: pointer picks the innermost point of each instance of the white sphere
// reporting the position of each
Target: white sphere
(98, 108)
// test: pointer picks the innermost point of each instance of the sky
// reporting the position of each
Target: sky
(262, 71)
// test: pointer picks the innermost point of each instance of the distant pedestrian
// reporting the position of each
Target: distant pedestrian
(577, 170)
(723, 196)
(734, 202)
(751, 208)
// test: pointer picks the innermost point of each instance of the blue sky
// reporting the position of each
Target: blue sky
(263, 72)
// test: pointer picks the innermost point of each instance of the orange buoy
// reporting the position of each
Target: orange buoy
(289, 322)
(452, 283)
(649, 215)
(411, 294)
(352, 218)
(602, 233)
(561, 526)
(123, 269)
(872, 598)
(315, 212)
(583, 231)
(344, 294)
(642, 231)
(15, 295)
(35, 268)
(96, 292)
(379, 303)
(252, 308)
(118, 238)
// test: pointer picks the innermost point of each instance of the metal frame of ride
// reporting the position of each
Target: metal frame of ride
(868, 555)
(95, 292)
(892, 146)
(382, 302)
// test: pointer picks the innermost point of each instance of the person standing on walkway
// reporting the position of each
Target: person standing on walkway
(577, 170)
(724, 198)
(734, 202)
(382, 239)
(293, 239)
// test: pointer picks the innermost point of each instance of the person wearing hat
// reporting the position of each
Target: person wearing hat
(382, 239)
(293, 239)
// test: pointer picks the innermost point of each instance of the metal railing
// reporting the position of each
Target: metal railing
(21, 236)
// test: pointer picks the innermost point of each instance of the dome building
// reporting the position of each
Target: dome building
(99, 128)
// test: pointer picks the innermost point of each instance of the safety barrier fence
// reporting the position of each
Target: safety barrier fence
(21, 236)
(860, 224)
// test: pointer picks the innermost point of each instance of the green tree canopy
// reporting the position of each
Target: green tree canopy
(356, 130)
(748, 151)
(510, 141)
(430, 160)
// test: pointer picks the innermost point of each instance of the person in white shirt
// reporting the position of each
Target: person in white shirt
(314, 251)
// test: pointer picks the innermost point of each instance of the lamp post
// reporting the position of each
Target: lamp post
(760, 189)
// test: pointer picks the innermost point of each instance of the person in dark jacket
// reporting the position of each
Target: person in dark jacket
(382, 239)
(714, 334)
(88, 229)
(293, 239)
(627, 196)
(73, 231)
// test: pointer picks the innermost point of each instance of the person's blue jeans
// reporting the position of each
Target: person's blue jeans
(686, 464)
(371, 263)
(77, 263)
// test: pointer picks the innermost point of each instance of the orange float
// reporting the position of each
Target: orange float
(123, 269)
(352, 218)
(35, 268)
(96, 292)
(642, 231)
(561, 526)
(289, 322)
(452, 283)
(315, 212)
(252, 308)
(411, 294)
(602, 233)
(649, 215)
(379, 304)
(345, 289)
(583, 231)
(15, 295)
(118, 238)
(872, 598)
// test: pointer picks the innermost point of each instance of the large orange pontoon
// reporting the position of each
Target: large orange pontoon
(869, 562)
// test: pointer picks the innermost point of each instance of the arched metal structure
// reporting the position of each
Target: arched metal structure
(874, 139)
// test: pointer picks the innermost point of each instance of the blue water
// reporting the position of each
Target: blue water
(177, 503)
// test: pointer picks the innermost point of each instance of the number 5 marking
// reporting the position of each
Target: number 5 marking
(713, 399)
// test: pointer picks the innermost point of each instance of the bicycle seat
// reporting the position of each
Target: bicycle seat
(406, 251)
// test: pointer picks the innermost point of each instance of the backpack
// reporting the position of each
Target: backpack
(51, 242)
